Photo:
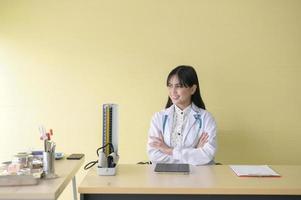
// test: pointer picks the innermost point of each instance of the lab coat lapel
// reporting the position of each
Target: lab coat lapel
(168, 126)
(193, 117)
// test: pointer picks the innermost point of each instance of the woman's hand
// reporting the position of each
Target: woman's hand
(203, 140)
(158, 143)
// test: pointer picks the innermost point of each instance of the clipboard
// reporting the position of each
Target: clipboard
(254, 171)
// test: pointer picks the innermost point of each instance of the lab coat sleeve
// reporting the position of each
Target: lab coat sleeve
(200, 156)
(156, 128)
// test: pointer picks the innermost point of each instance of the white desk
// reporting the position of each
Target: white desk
(47, 189)
(204, 182)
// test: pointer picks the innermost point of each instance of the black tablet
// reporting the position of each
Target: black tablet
(172, 167)
(75, 156)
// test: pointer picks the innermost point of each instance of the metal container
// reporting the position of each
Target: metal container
(48, 163)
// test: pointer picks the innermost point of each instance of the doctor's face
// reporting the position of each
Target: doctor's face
(178, 93)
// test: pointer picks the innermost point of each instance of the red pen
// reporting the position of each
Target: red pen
(48, 136)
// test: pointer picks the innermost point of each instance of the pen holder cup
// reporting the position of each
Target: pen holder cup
(48, 163)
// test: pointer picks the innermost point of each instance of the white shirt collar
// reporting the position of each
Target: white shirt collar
(181, 112)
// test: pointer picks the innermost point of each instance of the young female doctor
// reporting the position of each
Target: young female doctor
(184, 132)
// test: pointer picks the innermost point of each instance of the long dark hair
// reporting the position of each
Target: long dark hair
(187, 77)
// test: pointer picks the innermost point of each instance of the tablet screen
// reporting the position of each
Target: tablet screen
(171, 167)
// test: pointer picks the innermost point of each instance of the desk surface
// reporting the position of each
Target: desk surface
(48, 189)
(216, 179)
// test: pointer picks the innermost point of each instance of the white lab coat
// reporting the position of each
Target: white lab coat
(199, 121)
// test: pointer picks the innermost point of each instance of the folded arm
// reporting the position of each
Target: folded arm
(202, 153)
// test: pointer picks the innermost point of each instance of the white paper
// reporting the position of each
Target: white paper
(253, 170)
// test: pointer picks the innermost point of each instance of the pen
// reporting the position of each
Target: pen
(48, 136)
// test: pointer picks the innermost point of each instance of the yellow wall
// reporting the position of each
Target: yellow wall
(61, 60)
